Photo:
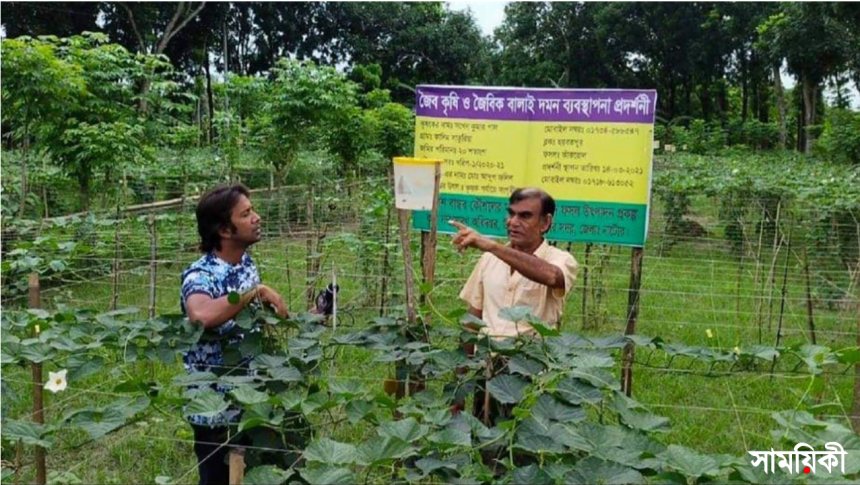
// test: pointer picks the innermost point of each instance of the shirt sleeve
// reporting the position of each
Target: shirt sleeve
(473, 290)
(197, 282)
(569, 267)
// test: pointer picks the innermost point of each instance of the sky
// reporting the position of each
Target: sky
(488, 14)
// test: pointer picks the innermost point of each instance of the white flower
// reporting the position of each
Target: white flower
(735, 171)
(56, 381)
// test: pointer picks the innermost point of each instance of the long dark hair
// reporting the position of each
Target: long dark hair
(213, 214)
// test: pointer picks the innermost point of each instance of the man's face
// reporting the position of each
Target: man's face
(246, 223)
(525, 225)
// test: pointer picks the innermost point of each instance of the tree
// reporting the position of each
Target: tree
(38, 87)
(302, 96)
(149, 27)
(99, 131)
(815, 44)
(62, 19)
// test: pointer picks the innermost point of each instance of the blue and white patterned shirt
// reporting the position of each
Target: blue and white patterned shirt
(214, 277)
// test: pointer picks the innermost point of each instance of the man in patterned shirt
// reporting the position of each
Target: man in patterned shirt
(227, 225)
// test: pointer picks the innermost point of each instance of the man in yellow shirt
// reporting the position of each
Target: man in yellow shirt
(526, 272)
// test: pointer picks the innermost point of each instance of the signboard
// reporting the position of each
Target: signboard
(590, 149)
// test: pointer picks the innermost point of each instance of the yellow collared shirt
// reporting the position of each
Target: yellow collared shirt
(492, 287)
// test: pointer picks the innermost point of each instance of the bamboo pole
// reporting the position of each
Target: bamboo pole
(632, 317)
(585, 287)
(237, 466)
(35, 298)
(429, 242)
(153, 263)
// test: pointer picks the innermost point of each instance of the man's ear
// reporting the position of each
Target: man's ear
(225, 232)
(548, 223)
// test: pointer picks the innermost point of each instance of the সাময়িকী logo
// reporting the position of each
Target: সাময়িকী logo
(803, 455)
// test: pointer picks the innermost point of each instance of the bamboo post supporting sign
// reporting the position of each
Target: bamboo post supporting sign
(590, 149)
(416, 187)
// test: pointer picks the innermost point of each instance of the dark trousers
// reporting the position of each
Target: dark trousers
(211, 450)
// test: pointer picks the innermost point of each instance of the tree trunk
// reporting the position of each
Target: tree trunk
(209, 93)
(744, 82)
(810, 96)
(780, 103)
(24, 174)
(84, 192)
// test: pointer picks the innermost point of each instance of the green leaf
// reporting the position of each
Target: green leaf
(451, 437)
(531, 474)
(408, 430)
(549, 409)
(382, 449)
(358, 409)
(849, 356)
(536, 437)
(587, 359)
(233, 298)
(594, 470)
(195, 379)
(520, 364)
(57, 265)
(327, 475)
(285, 374)
(267, 475)
(249, 395)
(599, 378)
(29, 433)
(206, 402)
(267, 361)
(330, 452)
(688, 462)
(429, 465)
(577, 392)
(507, 388)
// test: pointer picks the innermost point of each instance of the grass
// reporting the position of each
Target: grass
(694, 286)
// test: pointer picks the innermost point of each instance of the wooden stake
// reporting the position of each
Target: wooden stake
(585, 287)
(632, 316)
(237, 465)
(428, 246)
(403, 219)
(153, 263)
(38, 382)
(809, 309)
(115, 283)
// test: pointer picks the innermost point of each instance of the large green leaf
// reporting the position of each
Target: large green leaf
(328, 475)
(330, 452)
(577, 392)
(408, 430)
(548, 409)
(536, 437)
(507, 388)
(206, 402)
(688, 462)
(520, 364)
(531, 474)
(28, 433)
(195, 379)
(267, 475)
(382, 449)
(594, 470)
(249, 395)
(358, 409)
(451, 437)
